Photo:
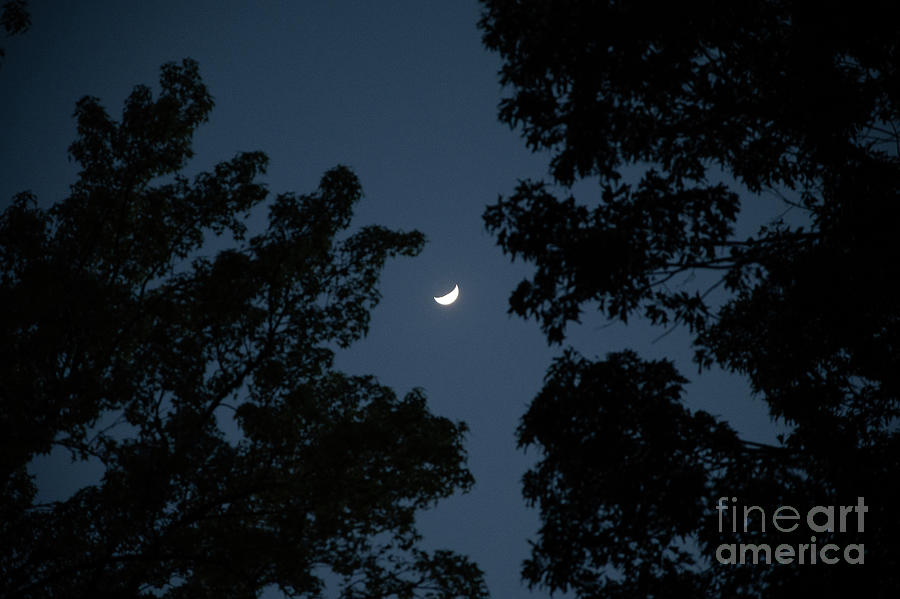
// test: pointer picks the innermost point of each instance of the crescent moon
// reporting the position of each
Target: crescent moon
(446, 300)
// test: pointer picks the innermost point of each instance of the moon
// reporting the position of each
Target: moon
(446, 300)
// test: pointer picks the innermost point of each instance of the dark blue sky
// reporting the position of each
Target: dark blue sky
(405, 94)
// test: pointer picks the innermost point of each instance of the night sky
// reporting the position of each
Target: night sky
(404, 94)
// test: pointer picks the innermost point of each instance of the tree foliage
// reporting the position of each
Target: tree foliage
(14, 19)
(795, 99)
(127, 343)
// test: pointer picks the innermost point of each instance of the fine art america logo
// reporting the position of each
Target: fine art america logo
(819, 519)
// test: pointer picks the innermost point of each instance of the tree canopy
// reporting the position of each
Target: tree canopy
(15, 20)
(794, 99)
(130, 342)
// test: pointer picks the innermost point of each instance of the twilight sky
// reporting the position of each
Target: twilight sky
(404, 93)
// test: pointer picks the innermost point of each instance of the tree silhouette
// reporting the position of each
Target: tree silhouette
(794, 99)
(15, 19)
(126, 344)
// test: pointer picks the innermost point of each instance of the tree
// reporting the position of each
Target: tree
(15, 19)
(125, 343)
(795, 99)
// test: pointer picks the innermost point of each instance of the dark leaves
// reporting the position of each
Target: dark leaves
(623, 480)
(15, 18)
(129, 342)
(620, 254)
(796, 100)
